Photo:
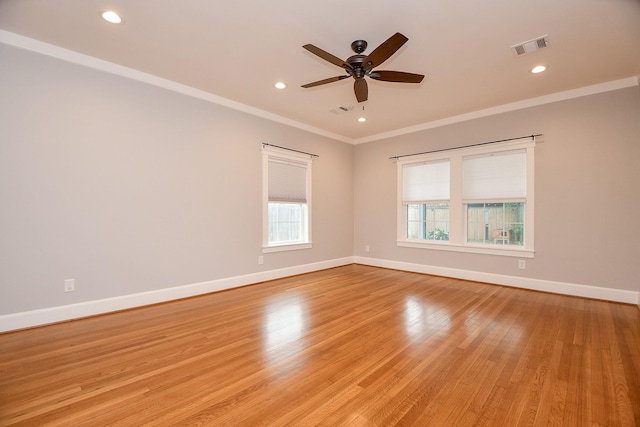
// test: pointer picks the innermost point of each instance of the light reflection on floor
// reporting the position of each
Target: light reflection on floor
(284, 326)
(420, 317)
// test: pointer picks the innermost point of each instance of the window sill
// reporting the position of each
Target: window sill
(500, 250)
(286, 247)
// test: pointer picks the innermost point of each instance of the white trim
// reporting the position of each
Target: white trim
(562, 288)
(23, 42)
(505, 108)
(529, 215)
(28, 319)
(14, 321)
(287, 155)
(287, 247)
(501, 250)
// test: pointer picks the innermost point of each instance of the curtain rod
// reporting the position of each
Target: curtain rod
(533, 138)
(290, 149)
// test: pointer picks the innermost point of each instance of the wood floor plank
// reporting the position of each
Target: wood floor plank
(353, 345)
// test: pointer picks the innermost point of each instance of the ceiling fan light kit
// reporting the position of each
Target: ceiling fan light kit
(360, 66)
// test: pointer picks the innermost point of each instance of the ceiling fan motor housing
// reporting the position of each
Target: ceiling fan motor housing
(356, 61)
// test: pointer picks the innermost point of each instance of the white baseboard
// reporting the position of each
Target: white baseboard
(607, 294)
(28, 319)
(15, 321)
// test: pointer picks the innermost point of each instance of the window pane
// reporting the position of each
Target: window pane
(476, 232)
(496, 223)
(514, 221)
(286, 222)
(428, 221)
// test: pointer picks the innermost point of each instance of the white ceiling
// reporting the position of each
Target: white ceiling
(239, 49)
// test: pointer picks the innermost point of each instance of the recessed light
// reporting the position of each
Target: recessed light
(362, 119)
(280, 85)
(538, 69)
(111, 16)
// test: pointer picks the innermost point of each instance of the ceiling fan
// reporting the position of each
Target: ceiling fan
(358, 66)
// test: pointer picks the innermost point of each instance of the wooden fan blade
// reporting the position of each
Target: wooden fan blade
(327, 56)
(396, 76)
(325, 81)
(361, 89)
(384, 51)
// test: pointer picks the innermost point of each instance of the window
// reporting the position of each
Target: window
(425, 199)
(476, 199)
(494, 190)
(286, 200)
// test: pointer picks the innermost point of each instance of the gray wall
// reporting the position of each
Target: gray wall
(129, 188)
(587, 197)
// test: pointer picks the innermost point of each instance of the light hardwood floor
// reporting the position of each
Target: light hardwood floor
(353, 345)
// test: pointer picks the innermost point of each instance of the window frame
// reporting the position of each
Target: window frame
(458, 207)
(273, 153)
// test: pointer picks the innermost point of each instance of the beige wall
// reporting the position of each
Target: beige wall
(130, 188)
(587, 197)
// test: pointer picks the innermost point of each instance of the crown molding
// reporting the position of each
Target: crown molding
(34, 45)
(519, 105)
(58, 52)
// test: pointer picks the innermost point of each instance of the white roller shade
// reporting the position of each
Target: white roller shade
(496, 176)
(287, 182)
(425, 181)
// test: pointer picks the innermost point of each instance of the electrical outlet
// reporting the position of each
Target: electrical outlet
(366, 248)
(260, 260)
(70, 285)
(522, 264)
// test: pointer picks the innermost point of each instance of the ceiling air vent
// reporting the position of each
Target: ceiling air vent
(341, 110)
(530, 46)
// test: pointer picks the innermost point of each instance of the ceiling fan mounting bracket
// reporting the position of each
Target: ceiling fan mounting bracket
(359, 46)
